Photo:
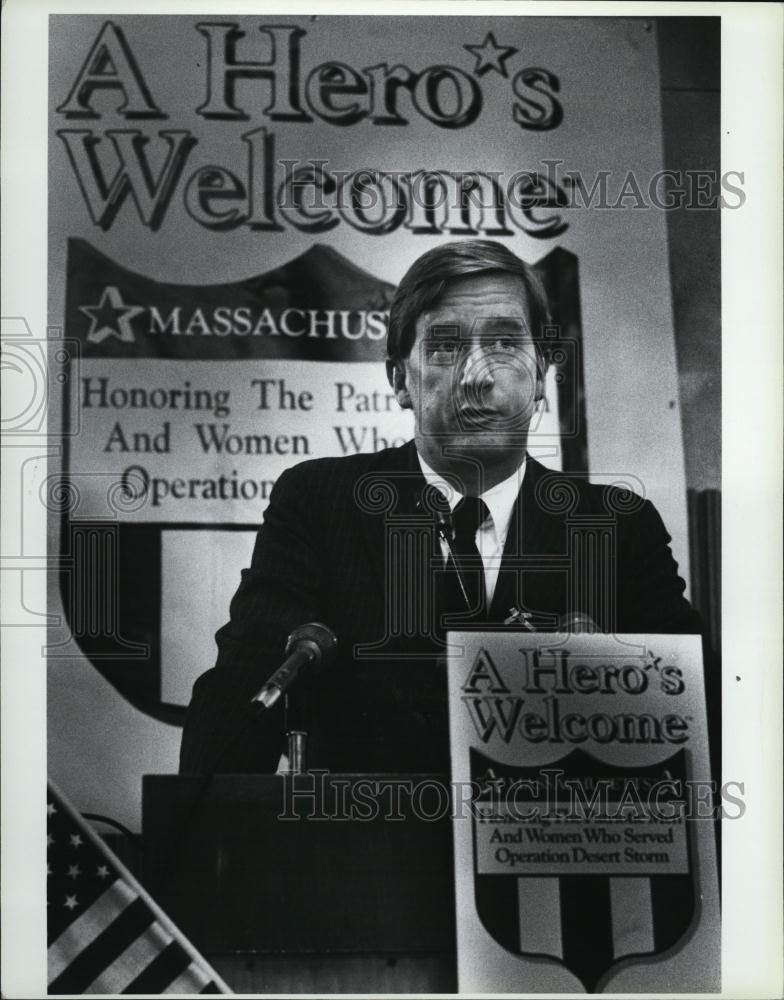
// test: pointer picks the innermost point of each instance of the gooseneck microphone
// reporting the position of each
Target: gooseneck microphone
(433, 502)
(309, 646)
(446, 532)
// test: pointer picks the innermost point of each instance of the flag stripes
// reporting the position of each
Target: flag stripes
(586, 926)
(587, 921)
(632, 916)
(106, 934)
(192, 980)
(539, 908)
(163, 970)
(497, 908)
(136, 956)
(672, 904)
(86, 927)
(101, 952)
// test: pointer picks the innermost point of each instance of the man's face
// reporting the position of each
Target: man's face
(471, 378)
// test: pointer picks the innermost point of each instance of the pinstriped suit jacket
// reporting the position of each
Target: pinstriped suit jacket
(343, 543)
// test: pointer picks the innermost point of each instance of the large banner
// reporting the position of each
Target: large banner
(232, 202)
(196, 399)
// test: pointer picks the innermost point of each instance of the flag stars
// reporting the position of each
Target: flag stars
(74, 871)
(50, 809)
(76, 840)
(102, 872)
(71, 902)
(49, 840)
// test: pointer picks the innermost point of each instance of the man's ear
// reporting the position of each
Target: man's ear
(541, 374)
(396, 374)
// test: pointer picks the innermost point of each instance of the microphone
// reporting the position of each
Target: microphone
(433, 502)
(311, 645)
(577, 621)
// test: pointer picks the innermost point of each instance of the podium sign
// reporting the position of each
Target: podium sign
(585, 853)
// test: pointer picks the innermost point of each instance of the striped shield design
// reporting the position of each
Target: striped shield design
(583, 862)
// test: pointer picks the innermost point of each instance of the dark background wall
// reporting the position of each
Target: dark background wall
(689, 54)
(689, 57)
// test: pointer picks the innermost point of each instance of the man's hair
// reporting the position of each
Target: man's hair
(427, 279)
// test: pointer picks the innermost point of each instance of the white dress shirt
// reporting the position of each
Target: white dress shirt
(492, 532)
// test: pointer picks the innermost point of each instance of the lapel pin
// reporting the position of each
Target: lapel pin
(518, 617)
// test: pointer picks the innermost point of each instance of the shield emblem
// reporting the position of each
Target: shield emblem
(163, 389)
(588, 864)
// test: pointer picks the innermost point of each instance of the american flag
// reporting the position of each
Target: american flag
(105, 933)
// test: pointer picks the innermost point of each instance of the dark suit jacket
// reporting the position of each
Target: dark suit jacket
(344, 543)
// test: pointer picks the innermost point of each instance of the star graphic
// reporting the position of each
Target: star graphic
(76, 840)
(490, 55)
(111, 317)
(102, 872)
(653, 661)
(49, 840)
(50, 809)
(74, 871)
(71, 902)
(493, 785)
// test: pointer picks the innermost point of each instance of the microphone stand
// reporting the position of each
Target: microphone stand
(296, 742)
(433, 503)
(444, 528)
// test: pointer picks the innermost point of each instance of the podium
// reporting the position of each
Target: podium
(319, 883)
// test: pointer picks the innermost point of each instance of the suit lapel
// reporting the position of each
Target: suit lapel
(532, 577)
(386, 495)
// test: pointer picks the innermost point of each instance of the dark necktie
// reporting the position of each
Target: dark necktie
(465, 591)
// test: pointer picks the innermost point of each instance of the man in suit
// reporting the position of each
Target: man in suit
(458, 528)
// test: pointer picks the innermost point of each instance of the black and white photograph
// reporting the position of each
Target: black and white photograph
(391, 499)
